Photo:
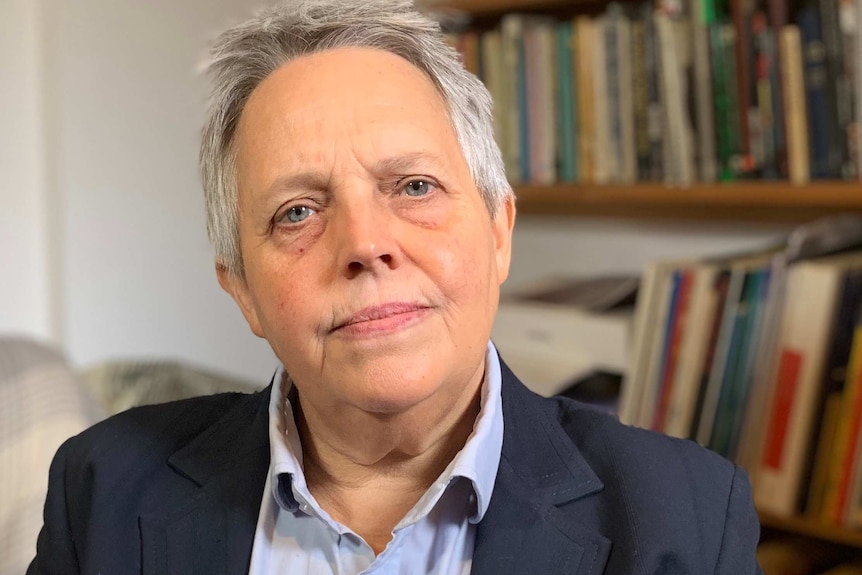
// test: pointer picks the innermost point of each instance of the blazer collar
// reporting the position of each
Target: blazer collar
(208, 518)
(541, 469)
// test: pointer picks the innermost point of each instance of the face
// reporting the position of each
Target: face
(372, 266)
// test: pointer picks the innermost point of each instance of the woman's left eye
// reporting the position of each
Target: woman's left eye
(418, 188)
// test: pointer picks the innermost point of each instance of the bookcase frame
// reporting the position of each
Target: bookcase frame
(752, 200)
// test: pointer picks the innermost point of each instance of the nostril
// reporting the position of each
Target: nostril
(387, 258)
(355, 267)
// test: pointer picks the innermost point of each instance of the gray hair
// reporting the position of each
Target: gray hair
(245, 55)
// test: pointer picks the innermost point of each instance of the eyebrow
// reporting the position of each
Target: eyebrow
(405, 163)
(402, 164)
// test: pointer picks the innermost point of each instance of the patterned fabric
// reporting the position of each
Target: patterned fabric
(41, 405)
(120, 385)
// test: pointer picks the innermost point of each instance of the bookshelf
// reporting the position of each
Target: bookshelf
(742, 200)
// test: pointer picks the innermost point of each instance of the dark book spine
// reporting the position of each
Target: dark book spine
(740, 16)
(816, 92)
(655, 128)
(835, 368)
(641, 96)
(766, 78)
(837, 87)
(720, 287)
(777, 20)
(724, 93)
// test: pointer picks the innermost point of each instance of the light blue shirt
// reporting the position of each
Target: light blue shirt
(295, 535)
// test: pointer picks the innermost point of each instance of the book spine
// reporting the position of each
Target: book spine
(835, 368)
(704, 107)
(836, 88)
(566, 100)
(626, 99)
(766, 77)
(641, 98)
(585, 38)
(720, 287)
(510, 40)
(857, 88)
(816, 93)
(677, 326)
(655, 115)
(846, 436)
(793, 89)
(601, 104)
(777, 21)
(614, 121)
(722, 38)
(740, 15)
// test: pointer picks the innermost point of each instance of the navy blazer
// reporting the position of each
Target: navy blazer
(176, 489)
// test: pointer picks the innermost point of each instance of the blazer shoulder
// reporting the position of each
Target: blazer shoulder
(154, 431)
(600, 433)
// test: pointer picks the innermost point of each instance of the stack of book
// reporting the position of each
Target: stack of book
(759, 358)
(677, 92)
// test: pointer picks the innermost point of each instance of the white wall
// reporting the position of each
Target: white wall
(127, 105)
(25, 302)
(100, 201)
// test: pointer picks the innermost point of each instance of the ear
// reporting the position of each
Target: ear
(503, 224)
(237, 287)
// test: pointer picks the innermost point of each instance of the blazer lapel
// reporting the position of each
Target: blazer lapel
(208, 525)
(523, 530)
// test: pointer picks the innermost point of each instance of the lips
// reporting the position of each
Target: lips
(383, 314)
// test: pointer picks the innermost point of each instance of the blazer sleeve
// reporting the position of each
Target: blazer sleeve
(737, 555)
(55, 548)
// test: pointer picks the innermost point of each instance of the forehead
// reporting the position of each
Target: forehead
(314, 103)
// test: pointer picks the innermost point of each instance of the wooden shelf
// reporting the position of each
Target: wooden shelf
(491, 7)
(739, 201)
(811, 528)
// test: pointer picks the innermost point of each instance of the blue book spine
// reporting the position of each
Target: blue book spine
(816, 75)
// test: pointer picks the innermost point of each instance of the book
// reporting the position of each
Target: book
(640, 95)
(587, 150)
(674, 58)
(846, 440)
(793, 89)
(692, 353)
(810, 307)
(644, 327)
(834, 376)
(816, 77)
(701, 18)
(601, 130)
(511, 40)
(566, 98)
(494, 77)
(721, 41)
(721, 285)
(737, 383)
(676, 324)
(740, 12)
(712, 392)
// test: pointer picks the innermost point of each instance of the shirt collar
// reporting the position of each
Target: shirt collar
(477, 461)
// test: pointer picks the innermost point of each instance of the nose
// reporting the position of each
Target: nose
(365, 241)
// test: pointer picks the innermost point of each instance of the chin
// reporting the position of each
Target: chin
(393, 396)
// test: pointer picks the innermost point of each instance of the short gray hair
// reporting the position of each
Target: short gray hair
(245, 55)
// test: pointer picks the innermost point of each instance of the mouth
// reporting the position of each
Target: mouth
(377, 320)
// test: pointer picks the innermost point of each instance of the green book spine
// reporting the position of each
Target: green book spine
(565, 98)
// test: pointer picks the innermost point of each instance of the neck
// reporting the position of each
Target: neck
(351, 447)
(369, 470)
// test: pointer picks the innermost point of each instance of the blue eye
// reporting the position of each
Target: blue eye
(297, 213)
(417, 188)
